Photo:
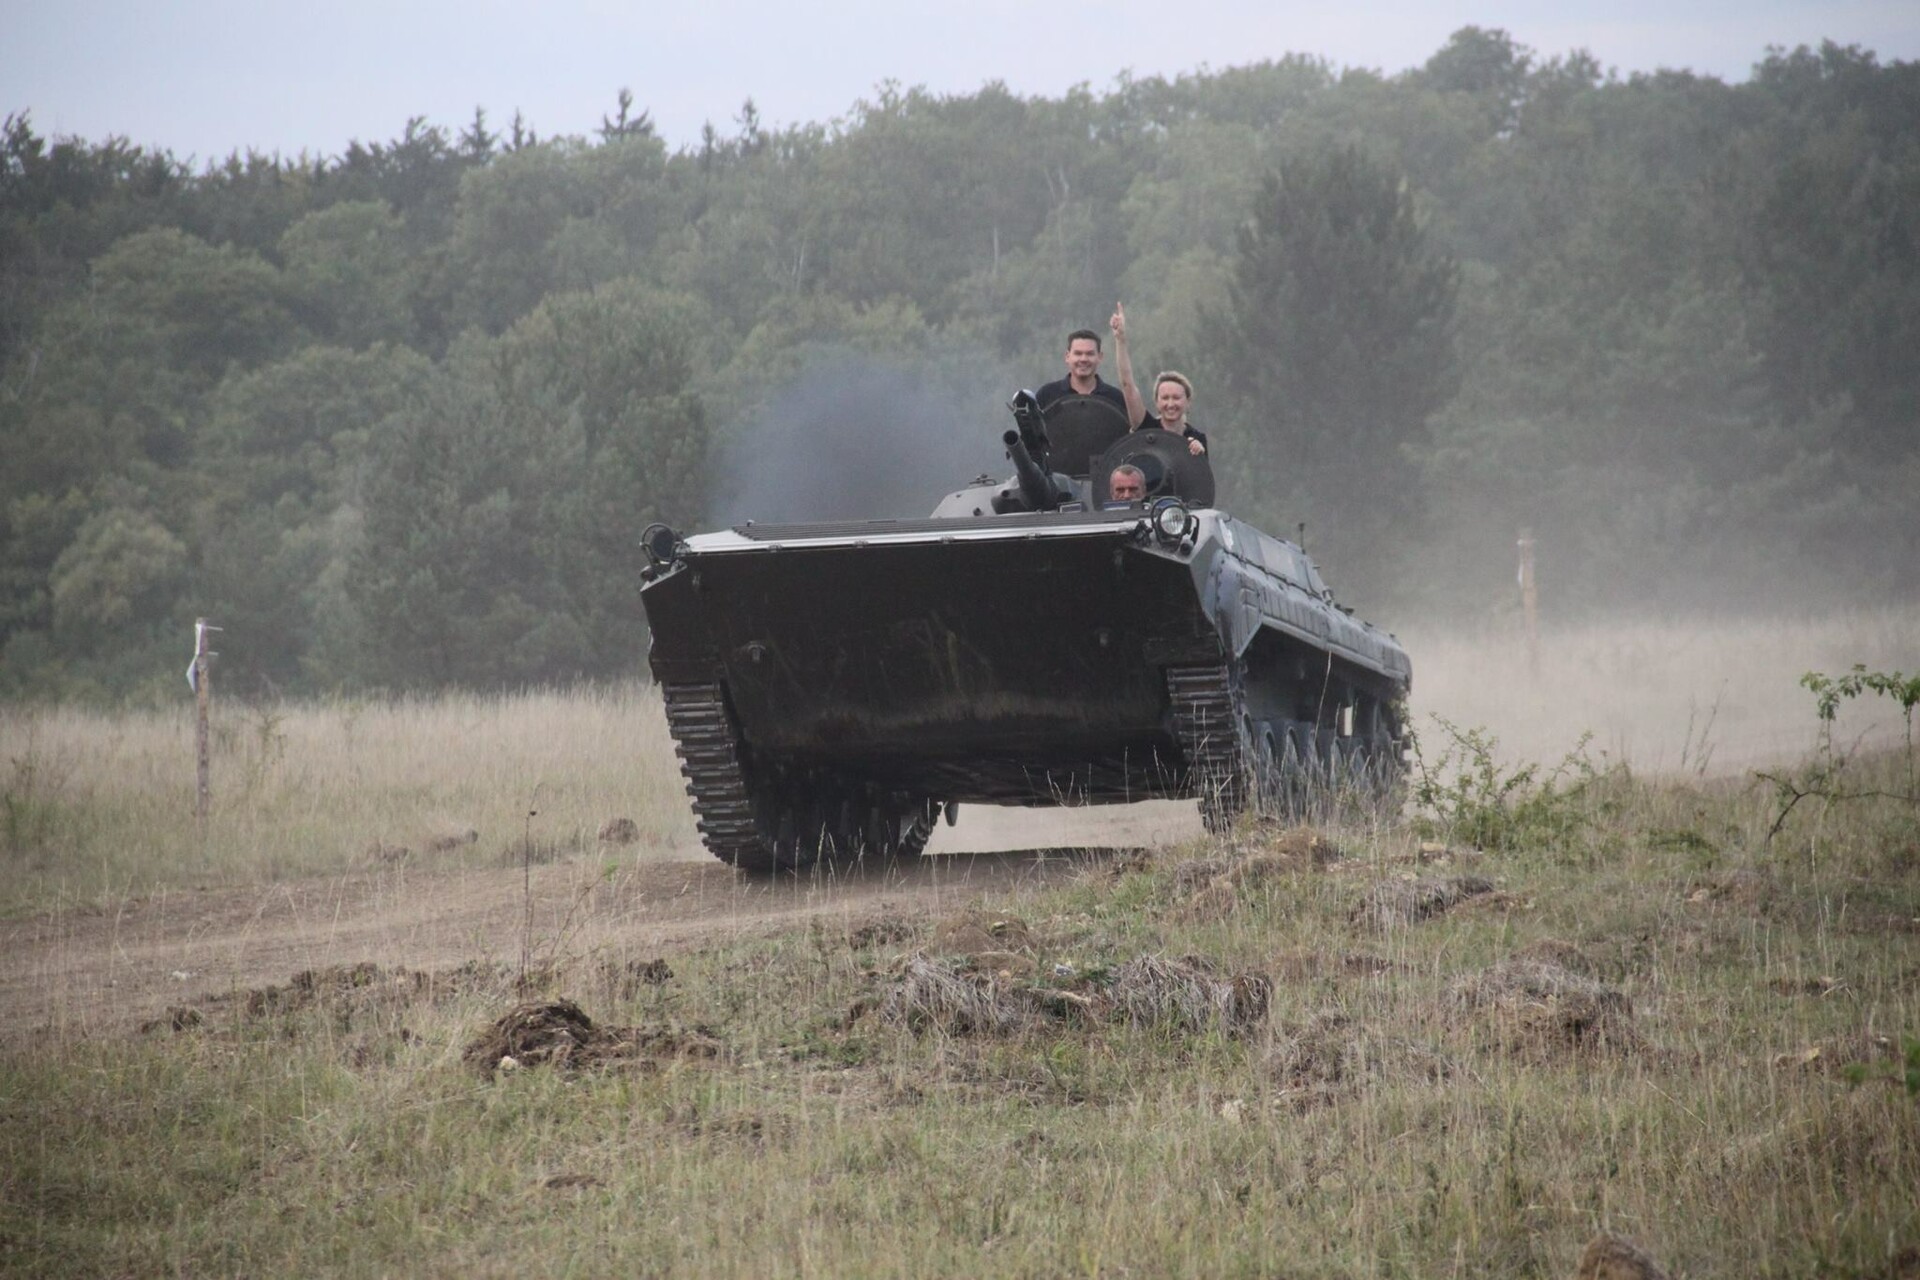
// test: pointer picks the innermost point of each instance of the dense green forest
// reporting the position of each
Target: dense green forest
(396, 418)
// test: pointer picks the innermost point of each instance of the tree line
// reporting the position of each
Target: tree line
(395, 418)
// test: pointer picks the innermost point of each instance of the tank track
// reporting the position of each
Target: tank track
(1207, 715)
(754, 828)
(709, 752)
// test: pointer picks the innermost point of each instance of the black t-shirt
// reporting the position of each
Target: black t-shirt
(1151, 423)
(1054, 392)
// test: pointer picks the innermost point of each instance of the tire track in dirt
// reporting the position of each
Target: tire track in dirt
(88, 971)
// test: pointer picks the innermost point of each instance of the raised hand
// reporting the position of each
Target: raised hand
(1119, 322)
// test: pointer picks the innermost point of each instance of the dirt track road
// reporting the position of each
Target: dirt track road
(106, 970)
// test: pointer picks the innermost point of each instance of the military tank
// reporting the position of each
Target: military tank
(833, 689)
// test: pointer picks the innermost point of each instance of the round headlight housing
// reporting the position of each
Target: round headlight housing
(1170, 519)
(659, 541)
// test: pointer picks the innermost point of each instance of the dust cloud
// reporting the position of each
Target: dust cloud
(1676, 695)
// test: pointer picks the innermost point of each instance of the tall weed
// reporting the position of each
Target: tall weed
(1465, 795)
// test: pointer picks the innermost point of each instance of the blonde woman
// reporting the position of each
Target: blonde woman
(1172, 393)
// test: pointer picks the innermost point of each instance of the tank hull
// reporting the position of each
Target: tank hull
(830, 687)
(1016, 666)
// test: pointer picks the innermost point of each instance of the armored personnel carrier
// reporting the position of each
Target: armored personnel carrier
(834, 688)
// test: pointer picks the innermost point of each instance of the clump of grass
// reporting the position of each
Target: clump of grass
(1539, 1007)
(1189, 994)
(945, 995)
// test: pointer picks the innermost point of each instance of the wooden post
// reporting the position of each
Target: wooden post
(203, 701)
(1530, 601)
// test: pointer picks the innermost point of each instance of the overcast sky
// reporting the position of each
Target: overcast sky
(205, 77)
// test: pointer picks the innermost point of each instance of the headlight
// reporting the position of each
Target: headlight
(1171, 520)
(659, 542)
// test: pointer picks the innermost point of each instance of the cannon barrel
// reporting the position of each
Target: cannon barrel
(1036, 486)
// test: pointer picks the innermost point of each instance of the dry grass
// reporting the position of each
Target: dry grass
(101, 805)
(1617, 1052)
(1662, 1026)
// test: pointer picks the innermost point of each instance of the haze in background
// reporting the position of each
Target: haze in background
(206, 78)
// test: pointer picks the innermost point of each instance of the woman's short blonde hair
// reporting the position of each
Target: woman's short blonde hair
(1171, 375)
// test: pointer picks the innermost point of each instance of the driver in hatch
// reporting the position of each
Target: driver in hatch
(1126, 486)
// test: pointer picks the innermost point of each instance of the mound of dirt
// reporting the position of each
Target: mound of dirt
(1216, 887)
(179, 1018)
(977, 933)
(558, 1033)
(1189, 994)
(1284, 853)
(1333, 1057)
(963, 997)
(619, 831)
(363, 996)
(1396, 903)
(623, 980)
(882, 931)
(1539, 1007)
(345, 987)
(347, 990)
(1611, 1257)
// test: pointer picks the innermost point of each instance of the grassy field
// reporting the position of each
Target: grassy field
(99, 806)
(1367, 1051)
